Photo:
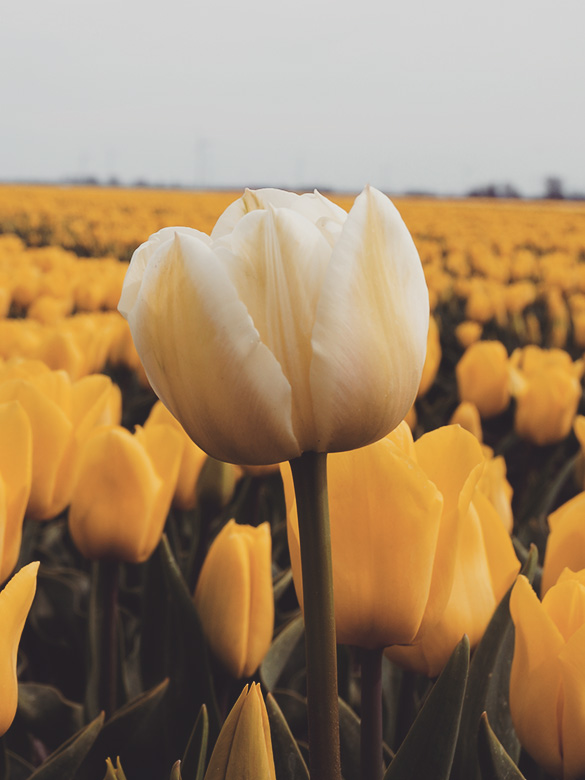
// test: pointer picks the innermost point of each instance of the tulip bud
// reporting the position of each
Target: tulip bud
(123, 492)
(482, 377)
(234, 597)
(311, 325)
(15, 603)
(244, 746)
(547, 685)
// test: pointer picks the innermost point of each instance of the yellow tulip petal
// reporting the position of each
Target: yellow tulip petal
(535, 680)
(402, 437)
(394, 548)
(113, 497)
(565, 546)
(224, 604)
(432, 360)
(483, 377)
(96, 400)
(261, 617)
(531, 619)
(15, 603)
(164, 447)
(52, 447)
(573, 715)
(251, 752)
(209, 352)
(503, 565)
(370, 334)
(448, 455)
(565, 605)
(16, 474)
(220, 757)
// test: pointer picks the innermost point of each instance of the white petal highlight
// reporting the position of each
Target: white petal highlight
(204, 358)
(276, 260)
(370, 334)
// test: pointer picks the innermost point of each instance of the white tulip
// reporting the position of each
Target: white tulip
(294, 327)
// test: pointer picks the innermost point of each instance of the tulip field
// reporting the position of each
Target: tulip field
(168, 614)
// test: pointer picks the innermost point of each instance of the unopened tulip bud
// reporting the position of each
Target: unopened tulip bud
(244, 746)
(234, 597)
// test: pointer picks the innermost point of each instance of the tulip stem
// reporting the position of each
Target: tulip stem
(310, 480)
(103, 639)
(371, 756)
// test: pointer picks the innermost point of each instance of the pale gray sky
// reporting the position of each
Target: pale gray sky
(425, 94)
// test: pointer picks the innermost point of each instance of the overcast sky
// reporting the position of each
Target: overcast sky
(435, 95)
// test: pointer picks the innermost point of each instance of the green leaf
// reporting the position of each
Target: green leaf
(173, 646)
(285, 650)
(494, 762)
(428, 748)
(281, 583)
(191, 683)
(488, 687)
(66, 760)
(288, 761)
(194, 759)
(44, 712)
(134, 733)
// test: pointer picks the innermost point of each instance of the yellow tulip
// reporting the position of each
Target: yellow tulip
(546, 405)
(15, 482)
(243, 750)
(192, 458)
(123, 492)
(482, 377)
(294, 327)
(547, 684)
(234, 597)
(432, 360)
(495, 486)
(565, 545)
(468, 332)
(61, 413)
(398, 510)
(15, 603)
(486, 566)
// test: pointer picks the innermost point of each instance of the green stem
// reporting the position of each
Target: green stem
(103, 639)
(371, 757)
(310, 480)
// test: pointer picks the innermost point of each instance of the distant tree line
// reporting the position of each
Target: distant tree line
(554, 189)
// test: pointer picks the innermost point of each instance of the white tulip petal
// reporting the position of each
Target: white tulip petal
(312, 206)
(276, 260)
(141, 258)
(369, 340)
(204, 358)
